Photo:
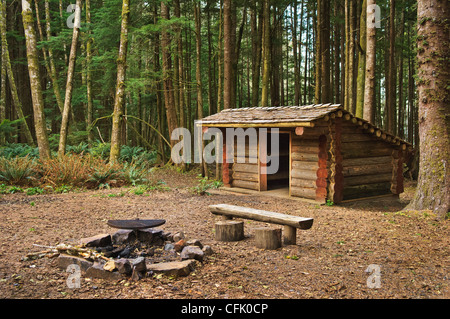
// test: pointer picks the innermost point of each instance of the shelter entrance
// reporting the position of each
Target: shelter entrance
(280, 152)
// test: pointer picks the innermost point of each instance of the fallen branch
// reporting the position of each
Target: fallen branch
(55, 251)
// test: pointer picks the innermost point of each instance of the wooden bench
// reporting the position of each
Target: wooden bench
(290, 223)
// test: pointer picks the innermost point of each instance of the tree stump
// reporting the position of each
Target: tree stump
(268, 238)
(229, 230)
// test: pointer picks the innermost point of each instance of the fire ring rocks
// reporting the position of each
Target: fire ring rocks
(135, 254)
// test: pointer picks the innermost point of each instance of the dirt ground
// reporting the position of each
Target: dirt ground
(410, 249)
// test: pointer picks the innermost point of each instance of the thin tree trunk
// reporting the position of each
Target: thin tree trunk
(433, 55)
(69, 83)
(198, 76)
(90, 104)
(220, 61)
(362, 52)
(228, 75)
(117, 120)
(370, 86)
(3, 72)
(35, 81)
(256, 30)
(391, 83)
(167, 75)
(266, 55)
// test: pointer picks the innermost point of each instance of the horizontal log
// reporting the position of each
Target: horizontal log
(367, 161)
(305, 149)
(245, 160)
(304, 192)
(245, 184)
(366, 152)
(305, 166)
(307, 157)
(357, 137)
(367, 179)
(248, 168)
(366, 169)
(251, 177)
(303, 183)
(307, 175)
(262, 216)
(370, 144)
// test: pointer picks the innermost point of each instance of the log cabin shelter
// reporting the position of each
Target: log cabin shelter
(325, 153)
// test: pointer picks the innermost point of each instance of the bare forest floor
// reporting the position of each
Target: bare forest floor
(329, 261)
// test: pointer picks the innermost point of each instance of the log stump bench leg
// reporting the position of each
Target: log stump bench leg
(229, 230)
(268, 238)
(290, 235)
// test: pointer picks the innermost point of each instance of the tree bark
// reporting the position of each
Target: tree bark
(117, 120)
(362, 52)
(266, 55)
(90, 104)
(391, 83)
(69, 83)
(370, 85)
(433, 55)
(35, 81)
(228, 75)
(169, 98)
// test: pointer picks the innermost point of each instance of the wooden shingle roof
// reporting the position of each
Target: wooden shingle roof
(293, 116)
(272, 115)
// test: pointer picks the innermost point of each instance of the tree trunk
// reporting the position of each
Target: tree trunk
(90, 104)
(370, 85)
(325, 53)
(35, 81)
(391, 83)
(362, 52)
(433, 55)
(3, 73)
(117, 120)
(228, 52)
(69, 83)
(266, 55)
(198, 77)
(169, 98)
(256, 29)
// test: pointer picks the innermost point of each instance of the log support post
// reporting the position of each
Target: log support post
(289, 235)
(227, 164)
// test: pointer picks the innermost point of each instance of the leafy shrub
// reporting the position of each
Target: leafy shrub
(102, 177)
(134, 174)
(17, 171)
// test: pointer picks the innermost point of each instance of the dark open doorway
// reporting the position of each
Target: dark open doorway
(281, 178)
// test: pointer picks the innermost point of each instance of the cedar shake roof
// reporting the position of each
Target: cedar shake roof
(263, 115)
(293, 116)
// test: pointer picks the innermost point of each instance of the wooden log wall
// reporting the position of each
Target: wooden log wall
(367, 163)
(245, 169)
(309, 165)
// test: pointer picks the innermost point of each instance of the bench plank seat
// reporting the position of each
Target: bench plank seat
(262, 215)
